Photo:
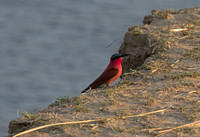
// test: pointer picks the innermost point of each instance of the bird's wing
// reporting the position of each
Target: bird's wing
(103, 78)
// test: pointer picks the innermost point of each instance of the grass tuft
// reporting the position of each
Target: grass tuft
(181, 75)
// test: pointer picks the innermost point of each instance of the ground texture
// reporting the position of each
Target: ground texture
(162, 73)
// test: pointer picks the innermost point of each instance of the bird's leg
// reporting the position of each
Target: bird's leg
(106, 85)
(103, 86)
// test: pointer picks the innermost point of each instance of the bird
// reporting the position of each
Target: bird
(112, 72)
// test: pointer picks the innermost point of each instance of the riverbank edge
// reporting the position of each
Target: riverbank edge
(162, 72)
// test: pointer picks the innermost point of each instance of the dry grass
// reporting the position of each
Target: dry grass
(100, 120)
(193, 124)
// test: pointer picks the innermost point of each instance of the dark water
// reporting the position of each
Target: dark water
(50, 49)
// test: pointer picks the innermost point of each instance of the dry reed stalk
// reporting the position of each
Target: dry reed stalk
(88, 121)
(177, 30)
(193, 124)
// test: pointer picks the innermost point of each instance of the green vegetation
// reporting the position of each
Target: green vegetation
(194, 53)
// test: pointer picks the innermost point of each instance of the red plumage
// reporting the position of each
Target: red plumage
(110, 74)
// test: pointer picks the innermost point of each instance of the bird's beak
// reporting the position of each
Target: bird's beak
(124, 55)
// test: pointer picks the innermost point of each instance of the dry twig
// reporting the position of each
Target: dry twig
(193, 124)
(89, 121)
(177, 30)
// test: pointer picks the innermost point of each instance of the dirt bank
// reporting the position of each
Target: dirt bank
(162, 73)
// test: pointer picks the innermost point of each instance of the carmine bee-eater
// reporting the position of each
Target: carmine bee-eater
(110, 74)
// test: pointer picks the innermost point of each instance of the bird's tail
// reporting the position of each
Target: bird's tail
(85, 90)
